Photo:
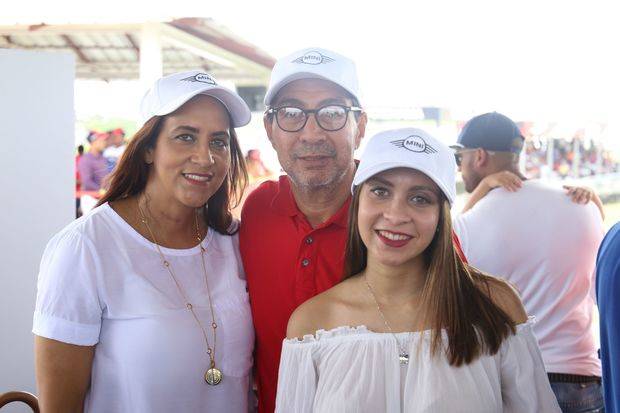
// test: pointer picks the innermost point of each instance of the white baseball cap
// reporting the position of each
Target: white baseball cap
(409, 148)
(313, 63)
(170, 92)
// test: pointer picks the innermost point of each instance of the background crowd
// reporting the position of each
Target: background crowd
(571, 158)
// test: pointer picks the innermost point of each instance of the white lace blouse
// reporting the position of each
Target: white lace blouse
(356, 370)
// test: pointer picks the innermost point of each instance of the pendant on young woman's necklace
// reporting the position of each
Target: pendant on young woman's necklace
(403, 358)
(213, 376)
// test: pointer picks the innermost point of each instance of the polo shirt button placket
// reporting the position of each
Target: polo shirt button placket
(307, 264)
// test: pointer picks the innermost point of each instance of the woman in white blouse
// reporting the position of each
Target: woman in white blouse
(411, 328)
(142, 303)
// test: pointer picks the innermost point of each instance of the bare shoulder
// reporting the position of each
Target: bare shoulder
(323, 311)
(309, 317)
(505, 296)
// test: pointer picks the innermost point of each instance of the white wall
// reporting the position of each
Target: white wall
(36, 193)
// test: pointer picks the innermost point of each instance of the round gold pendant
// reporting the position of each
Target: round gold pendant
(213, 376)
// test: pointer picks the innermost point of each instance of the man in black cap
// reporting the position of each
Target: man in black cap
(531, 234)
(488, 144)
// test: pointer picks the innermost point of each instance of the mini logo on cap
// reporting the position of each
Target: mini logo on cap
(202, 78)
(414, 143)
(313, 58)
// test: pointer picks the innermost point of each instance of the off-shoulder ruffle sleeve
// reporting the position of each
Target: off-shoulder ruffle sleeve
(297, 377)
(352, 369)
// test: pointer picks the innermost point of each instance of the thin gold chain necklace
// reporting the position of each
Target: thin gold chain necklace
(403, 356)
(213, 376)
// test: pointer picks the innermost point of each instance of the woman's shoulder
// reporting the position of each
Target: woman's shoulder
(82, 228)
(323, 311)
(505, 296)
(310, 316)
(72, 252)
(100, 230)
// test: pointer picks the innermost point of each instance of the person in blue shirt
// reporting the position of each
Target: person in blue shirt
(607, 292)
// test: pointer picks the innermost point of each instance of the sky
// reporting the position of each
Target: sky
(534, 60)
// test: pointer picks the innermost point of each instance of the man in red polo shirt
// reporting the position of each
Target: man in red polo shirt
(293, 232)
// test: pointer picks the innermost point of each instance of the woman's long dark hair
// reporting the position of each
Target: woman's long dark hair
(452, 297)
(131, 174)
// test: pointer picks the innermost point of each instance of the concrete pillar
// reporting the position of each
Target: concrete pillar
(550, 154)
(577, 157)
(599, 158)
(151, 59)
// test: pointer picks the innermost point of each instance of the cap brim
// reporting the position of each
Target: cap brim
(274, 89)
(384, 166)
(236, 107)
(456, 146)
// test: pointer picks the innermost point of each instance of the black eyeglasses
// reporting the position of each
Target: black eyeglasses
(330, 118)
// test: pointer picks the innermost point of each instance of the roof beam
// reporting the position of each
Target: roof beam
(134, 45)
(75, 48)
(178, 37)
(71, 28)
(185, 41)
(209, 32)
(52, 47)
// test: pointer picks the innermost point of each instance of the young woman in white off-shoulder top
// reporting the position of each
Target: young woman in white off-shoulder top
(411, 328)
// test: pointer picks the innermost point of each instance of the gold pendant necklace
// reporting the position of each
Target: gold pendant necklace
(213, 376)
(403, 356)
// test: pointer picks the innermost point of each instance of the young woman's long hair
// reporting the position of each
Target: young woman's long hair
(452, 298)
(131, 174)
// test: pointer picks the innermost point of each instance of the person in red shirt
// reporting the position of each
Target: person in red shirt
(293, 231)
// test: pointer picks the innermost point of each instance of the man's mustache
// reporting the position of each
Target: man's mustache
(314, 149)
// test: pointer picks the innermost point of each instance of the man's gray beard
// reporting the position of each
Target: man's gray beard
(328, 183)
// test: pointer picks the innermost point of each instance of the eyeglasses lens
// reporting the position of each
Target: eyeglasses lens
(331, 118)
(291, 119)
